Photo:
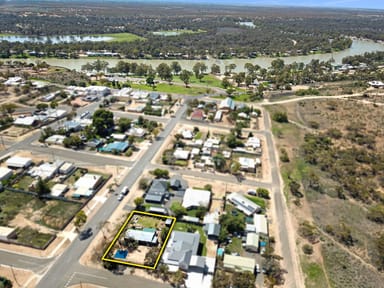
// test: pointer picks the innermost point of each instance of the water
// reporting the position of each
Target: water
(166, 33)
(358, 47)
(53, 39)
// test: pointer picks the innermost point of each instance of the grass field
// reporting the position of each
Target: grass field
(32, 237)
(11, 204)
(315, 276)
(236, 246)
(148, 222)
(121, 37)
(176, 89)
(257, 201)
(208, 80)
(56, 213)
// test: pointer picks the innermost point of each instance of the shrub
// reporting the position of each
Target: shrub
(307, 249)
(280, 117)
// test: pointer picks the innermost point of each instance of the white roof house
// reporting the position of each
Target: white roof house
(137, 132)
(59, 189)
(261, 224)
(25, 121)
(252, 242)
(195, 197)
(243, 204)
(18, 162)
(13, 81)
(253, 142)
(218, 116)
(181, 154)
(66, 168)
(186, 134)
(5, 173)
(247, 164)
(6, 233)
(98, 90)
(239, 263)
(46, 170)
(89, 181)
(55, 139)
(125, 92)
(118, 136)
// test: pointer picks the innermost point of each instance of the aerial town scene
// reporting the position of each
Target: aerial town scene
(197, 145)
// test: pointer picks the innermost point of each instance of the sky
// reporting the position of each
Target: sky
(368, 4)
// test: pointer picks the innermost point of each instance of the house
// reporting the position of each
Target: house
(187, 134)
(154, 96)
(239, 263)
(59, 189)
(157, 191)
(98, 91)
(212, 230)
(178, 183)
(118, 136)
(376, 84)
(243, 204)
(247, 164)
(243, 115)
(218, 116)
(194, 198)
(13, 81)
(5, 173)
(136, 132)
(72, 126)
(147, 236)
(46, 170)
(55, 140)
(181, 248)
(213, 217)
(67, 168)
(252, 242)
(253, 142)
(25, 121)
(18, 162)
(190, 219)
(117, 146)
(197, 115)
(261, 224)
(227, 104)
(158, 210)
(125, 92)
(94, 143)
(181, 154)
(87, 184)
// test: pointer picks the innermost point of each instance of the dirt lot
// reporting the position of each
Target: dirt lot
(24, 278)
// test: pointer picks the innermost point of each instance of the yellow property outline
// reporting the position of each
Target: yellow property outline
(104, 258)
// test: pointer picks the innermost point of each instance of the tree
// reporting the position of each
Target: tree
(80, 219)
(100, 65)
(160, 173)
(131, 244)
(232, 223)
(42, 106)
(5, 283)
(151, 256)
(139, 201)
(243, 280)
(215, 69)
(239, 78)
(380, 249)
(164, 72)
(178, 279)
(124, 124)
(72, 141)
(263, 193)
(200, 212)
(177, 209)
(235, 167)
(219, 162)
(143, 183)
(185, 76)
(307, 249)
(225, 83)
(164, 233)
(221, 279)
(8, 108)
(280, 117)
(103, 122)
(42, 187)
(54, 104)
(176, 68)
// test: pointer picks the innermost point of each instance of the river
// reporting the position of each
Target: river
(358, 47)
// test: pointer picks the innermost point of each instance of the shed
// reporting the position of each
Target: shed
(67, 168)
(7, 233)
(239, 263)
(59, 189)
(212, 230)
(252, 242)
(18, 162)
(195, 197)
(261, 224)
(158, 210)
(5, 173)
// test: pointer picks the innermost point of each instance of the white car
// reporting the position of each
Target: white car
(120, 197)
(125, 190)
(258, 268)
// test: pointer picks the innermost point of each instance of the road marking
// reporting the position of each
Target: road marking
(26, 262)
(91, 275)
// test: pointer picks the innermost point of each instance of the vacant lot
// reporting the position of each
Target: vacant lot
(334, 149)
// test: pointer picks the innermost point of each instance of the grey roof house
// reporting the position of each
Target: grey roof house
(157, 191)
(182, 250)
(145, 237)
(212, 230)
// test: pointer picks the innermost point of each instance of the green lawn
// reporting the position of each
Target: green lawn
(148, 222)
(209, 80)
(315, 276)
(187, 227)
(257, 201)
(29, 236)
(121, 37)
(24, 183)
(236, 246)
(177, 89)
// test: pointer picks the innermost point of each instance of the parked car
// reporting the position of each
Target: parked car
(252, 192)
(258, 268)
(120, 197)
(125, 190)
(85, 234)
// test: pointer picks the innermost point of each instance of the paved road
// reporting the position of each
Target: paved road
(22, 261)
(64, 267)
